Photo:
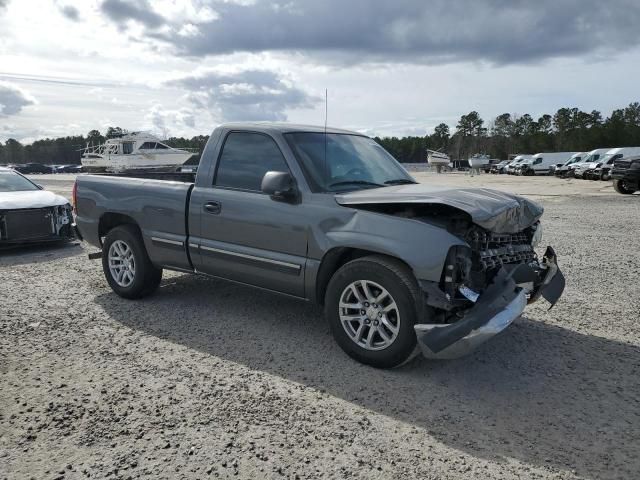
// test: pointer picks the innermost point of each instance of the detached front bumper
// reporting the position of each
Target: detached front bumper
(499, 305)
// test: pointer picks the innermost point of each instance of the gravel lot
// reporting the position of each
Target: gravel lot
(208, 379)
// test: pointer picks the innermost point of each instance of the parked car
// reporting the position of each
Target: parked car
(30, 214)
(499, 168)
(575, 158)
(540, 163)
(511, 167)
(72, 169)
(329, 216)
(592, 156)
(32, 168)
(56, 168)
(600, 170)
(590, 163)
(626, 174)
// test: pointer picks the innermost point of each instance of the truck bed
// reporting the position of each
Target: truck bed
(158, 206)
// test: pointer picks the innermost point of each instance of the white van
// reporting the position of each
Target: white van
(540, 162)
(568, 167)
(578, 157)
(510, 168)
(604, 160)
(592, 156)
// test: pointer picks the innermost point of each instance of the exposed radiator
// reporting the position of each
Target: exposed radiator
(28, 224)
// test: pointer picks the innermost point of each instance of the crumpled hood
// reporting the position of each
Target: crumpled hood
(499, 212)
(30, 199)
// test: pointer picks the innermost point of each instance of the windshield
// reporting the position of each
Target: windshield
(606, 158)
(352, 162)
(12, 182)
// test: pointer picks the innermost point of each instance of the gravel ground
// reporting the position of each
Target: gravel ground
(208, 379)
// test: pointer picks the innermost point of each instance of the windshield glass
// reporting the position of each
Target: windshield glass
(605, 159)
(352, 162)
(12, 182)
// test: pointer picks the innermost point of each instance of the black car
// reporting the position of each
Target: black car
(71, 169)
(626, 175)
(32, 168)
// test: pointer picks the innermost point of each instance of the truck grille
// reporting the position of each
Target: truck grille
(491, 250)
(28, 224)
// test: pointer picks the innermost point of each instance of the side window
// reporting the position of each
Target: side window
(245, 158)
(538, 160)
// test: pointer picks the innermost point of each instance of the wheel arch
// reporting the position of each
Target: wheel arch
(336, 258)
(110, 220)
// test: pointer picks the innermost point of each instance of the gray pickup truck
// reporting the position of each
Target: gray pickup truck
(328, 216)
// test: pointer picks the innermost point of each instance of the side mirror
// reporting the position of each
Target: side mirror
(279, 185)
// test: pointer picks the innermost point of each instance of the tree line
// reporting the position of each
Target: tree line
(569, 129)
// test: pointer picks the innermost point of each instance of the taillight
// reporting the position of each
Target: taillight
(74, 195)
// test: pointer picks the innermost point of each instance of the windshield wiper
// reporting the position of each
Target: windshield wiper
(356, 182)
(400, 181)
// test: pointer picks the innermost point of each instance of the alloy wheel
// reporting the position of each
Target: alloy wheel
(121, 263)
(369, 315)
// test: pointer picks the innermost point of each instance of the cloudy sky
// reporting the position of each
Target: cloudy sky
(400, 67)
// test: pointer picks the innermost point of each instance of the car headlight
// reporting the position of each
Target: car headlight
(537, 236)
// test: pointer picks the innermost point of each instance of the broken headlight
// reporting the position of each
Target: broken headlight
(456, 269)
(536, 239)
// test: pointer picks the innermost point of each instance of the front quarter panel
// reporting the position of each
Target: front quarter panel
(422, 246)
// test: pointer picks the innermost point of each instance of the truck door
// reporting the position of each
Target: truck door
(244, 234)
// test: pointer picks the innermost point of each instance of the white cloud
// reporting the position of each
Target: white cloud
(76, 69)
(13, 99)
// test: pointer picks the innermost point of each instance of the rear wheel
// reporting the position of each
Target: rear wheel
(626, 188)
(372, 304)
(126, 264)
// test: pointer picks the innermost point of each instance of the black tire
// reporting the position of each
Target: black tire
(399, 281)
(146, 278)
(623, 187)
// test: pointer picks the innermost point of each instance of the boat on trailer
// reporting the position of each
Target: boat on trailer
(132, 152)
(439, 160)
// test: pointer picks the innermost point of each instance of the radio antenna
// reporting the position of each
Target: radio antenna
(326, 114)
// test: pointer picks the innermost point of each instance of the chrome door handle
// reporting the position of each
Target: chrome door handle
(213, 207)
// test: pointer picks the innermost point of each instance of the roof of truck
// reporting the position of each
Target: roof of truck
(283, 127)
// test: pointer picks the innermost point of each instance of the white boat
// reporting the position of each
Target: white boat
(131, 152)
(437, 159)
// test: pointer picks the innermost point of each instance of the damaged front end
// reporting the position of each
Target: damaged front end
(484, 288)
(30, 225)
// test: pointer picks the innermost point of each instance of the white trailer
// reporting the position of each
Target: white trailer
(540, 163)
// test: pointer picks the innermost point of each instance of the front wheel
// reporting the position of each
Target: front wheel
(372, 304)
(626, 188)
(126, 264)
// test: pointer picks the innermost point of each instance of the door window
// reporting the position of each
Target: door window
(245, 158)
(127, 147)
